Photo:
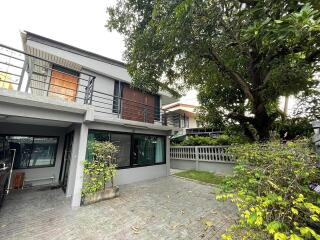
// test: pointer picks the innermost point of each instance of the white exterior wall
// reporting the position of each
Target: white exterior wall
(137, 174)
(192, 122)
(99, 66)
(216, 167)
(103, 107)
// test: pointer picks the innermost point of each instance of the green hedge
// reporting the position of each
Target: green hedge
(208, 141)
(294, 128)
(270, 187)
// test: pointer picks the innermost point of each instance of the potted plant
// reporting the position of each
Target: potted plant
(98, 183)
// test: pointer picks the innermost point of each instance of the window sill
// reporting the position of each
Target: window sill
(138, 166)
(47, 166)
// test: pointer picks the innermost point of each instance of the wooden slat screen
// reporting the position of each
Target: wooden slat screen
(137, 106)
(63, 85)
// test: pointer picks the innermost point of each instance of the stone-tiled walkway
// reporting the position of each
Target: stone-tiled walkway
(164, 208)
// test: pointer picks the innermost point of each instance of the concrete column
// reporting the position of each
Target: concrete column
(168, 155)
(76, 166)
(197, 157)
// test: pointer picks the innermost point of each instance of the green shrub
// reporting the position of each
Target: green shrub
(270, 187)
(294, 128)
(223, 140)
(101, 169)
(198, 141)
(208, 141)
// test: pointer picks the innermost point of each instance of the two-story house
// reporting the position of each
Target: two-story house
(55, 99)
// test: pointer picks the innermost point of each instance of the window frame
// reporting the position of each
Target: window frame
(117, 97)
(35, 136)
(131, 147)
(66, 70)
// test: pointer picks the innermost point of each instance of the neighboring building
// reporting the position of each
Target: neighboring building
(181, 115)
(184, 117)
(316, 137)
(56, 98)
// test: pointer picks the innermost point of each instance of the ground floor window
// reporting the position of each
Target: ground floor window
(148, 150)
(134, 149)
(33, 152)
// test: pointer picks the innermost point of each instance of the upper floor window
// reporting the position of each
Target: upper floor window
(63, 83)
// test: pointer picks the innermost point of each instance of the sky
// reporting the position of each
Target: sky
(80, 23)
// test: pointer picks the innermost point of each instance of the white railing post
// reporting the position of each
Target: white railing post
(197, 157)
(201, 154)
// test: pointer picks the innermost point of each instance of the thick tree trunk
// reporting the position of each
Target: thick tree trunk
(262, 122)
(263, 130)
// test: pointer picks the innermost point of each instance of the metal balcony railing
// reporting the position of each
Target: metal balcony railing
(64, 80)
(27, 73)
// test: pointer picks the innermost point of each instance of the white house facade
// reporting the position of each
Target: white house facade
(55, 99)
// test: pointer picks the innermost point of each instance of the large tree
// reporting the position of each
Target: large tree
(242, 55)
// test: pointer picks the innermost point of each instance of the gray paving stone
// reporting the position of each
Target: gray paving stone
(163, 208)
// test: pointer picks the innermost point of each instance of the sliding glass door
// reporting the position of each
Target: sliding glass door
(135, 150)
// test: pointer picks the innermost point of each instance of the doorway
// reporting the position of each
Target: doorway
(66, 159)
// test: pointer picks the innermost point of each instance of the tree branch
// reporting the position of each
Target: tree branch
(234, 75)
(284, 52)
(249, 2)
(265, 81)
(241, 118)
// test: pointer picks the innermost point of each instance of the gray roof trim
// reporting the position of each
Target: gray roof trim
(72, 49)
(84, 68)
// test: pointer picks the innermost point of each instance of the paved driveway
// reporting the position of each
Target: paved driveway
(164, 208)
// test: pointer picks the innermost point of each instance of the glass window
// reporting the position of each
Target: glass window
(134, 149)
(23, 146)
(160, 150)
(123, 141)
(98, 136)
(32, 152)
(117, 93)
(157, 108)
(148, 150)
(43, 151)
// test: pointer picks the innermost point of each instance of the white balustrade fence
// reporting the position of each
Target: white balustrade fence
(202, 153)
(207, 158)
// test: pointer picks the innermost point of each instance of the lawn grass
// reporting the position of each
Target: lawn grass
(202, 176)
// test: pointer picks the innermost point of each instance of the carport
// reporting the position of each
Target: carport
(49, 145)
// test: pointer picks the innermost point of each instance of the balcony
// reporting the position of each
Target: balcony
(57, 78)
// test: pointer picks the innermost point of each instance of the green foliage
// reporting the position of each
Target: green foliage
(308, 103)
(198, 141)
(270, 188)
(208, 141)
(202, 176)
(102, 168)
(294, 128)
(241, 55)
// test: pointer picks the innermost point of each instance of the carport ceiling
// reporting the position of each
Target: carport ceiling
(33, 121)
